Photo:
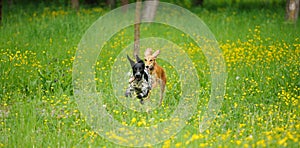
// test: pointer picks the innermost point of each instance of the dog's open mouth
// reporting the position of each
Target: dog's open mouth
(138, 78)
(149, 68)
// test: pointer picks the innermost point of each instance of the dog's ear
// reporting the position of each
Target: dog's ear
(131, 61)
(148, 52)
(146, 77)
(138, 59)
(156, 53)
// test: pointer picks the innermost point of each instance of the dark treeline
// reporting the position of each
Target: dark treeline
(243, 4)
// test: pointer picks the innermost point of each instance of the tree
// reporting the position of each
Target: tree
(149, 10)
(0, 11)
(75, 4)
(198, 2)
(111, 3)
(148, 14)
(124, 4)
(137, 22)
(292, 10)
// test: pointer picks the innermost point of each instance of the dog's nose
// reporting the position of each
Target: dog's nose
(147, 66)
(138, 75)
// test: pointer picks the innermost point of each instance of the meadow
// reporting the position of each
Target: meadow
(260, 107)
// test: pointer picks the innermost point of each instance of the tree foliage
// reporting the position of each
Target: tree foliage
(183, 3)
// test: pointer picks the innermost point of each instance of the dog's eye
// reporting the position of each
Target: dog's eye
(145, 59)
(151, 60)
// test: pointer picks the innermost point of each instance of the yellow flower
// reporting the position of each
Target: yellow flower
(282, 141)
(178, 144)
(238, 142)
(133, 120)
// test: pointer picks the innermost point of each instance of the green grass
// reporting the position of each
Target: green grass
(261, 105)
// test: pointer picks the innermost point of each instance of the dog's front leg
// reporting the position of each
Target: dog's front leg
(162, 90)
(154, 82)
(128, 92)
(140, 96)
(144, 93)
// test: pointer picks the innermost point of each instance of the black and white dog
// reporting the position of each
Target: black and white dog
(139, 83)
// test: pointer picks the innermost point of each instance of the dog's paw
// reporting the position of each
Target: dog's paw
(142, 101)
(127, 94)
(140, 95)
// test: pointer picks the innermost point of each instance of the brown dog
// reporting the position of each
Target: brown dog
(157, 73)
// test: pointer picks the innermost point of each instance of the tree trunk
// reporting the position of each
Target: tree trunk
(111, 4)
(137, 27)
(90, 2)
(75, 4)
(124, 4)
(0, 12)
(198, 2)
(292, 10)
(149, 10)
(9, 2)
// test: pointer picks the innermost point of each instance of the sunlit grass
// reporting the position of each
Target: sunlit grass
(260, 109)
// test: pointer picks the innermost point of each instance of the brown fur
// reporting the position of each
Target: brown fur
(157, 72)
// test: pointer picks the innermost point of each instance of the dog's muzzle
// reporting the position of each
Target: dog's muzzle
(138, 75)
(149, 68)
